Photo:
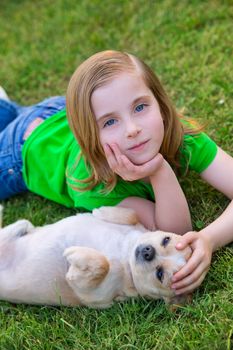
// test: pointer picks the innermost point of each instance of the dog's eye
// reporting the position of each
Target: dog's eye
(165, 241)
(160, 273)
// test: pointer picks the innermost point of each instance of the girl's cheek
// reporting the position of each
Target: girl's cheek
(102, 140)
(108, 136)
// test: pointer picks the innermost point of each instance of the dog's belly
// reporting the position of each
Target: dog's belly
(37, 278)
(113, 240)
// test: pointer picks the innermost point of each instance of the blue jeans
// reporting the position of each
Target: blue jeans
(14, 122)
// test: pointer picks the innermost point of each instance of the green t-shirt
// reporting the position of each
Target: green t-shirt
(50, 166)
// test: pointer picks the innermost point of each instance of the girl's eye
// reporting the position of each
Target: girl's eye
(140, 107)
(109, 122)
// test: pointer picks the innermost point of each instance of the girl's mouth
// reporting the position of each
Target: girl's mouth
(139, 146)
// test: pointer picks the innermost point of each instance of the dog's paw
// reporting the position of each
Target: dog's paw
(17, 229)
(116, 215)
(22, 227)
(87, 267)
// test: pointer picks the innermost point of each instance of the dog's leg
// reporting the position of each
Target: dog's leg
(117, 215)
(17, 229)
(92, 277)
(87, 265)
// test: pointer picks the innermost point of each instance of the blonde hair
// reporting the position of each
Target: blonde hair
(95, 72)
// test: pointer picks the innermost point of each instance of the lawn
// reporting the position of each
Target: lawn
(189, 45)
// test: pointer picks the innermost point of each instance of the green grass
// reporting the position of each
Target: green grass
(189, 44)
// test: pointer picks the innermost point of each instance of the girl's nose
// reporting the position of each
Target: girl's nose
(132, 129)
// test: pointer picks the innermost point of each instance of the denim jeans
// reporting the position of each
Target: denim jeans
(14, 122)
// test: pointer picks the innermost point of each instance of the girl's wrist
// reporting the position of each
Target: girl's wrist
(209, 239)
(163, 171)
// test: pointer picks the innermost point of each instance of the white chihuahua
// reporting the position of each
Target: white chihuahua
(87, 259)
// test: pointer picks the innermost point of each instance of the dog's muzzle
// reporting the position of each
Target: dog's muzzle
(144, 252)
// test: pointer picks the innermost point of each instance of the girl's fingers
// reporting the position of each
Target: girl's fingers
(191, 278)
(118, 162)
(110, 156)
(116, 151)
(108, 151)
(141, 171)
(118, 158)
(154, 163)
(122, 166)
(129, 165)
(186, 240)
(123, 161)
(188, 268)
(191, 287)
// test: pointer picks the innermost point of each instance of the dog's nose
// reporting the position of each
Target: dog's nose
(145, 252)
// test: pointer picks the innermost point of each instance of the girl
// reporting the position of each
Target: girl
(131, 141)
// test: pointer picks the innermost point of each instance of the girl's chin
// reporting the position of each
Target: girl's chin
(140, 161)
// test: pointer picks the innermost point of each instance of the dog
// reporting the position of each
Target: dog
(90, 259)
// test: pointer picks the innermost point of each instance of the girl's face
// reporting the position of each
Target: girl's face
(128, 115)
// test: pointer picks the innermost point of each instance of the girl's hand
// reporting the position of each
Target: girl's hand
(128, 171)
(194, 272)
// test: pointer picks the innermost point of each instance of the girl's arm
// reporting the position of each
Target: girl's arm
(171, 208)
(144, 208)
(219, 233)
(170, 212)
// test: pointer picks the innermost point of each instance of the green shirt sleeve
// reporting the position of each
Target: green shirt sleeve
(197, 152)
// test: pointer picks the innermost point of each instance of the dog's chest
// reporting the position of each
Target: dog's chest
(113, 240)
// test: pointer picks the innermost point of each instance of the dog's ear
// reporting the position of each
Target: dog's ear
(117, 215)
(178, 300)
